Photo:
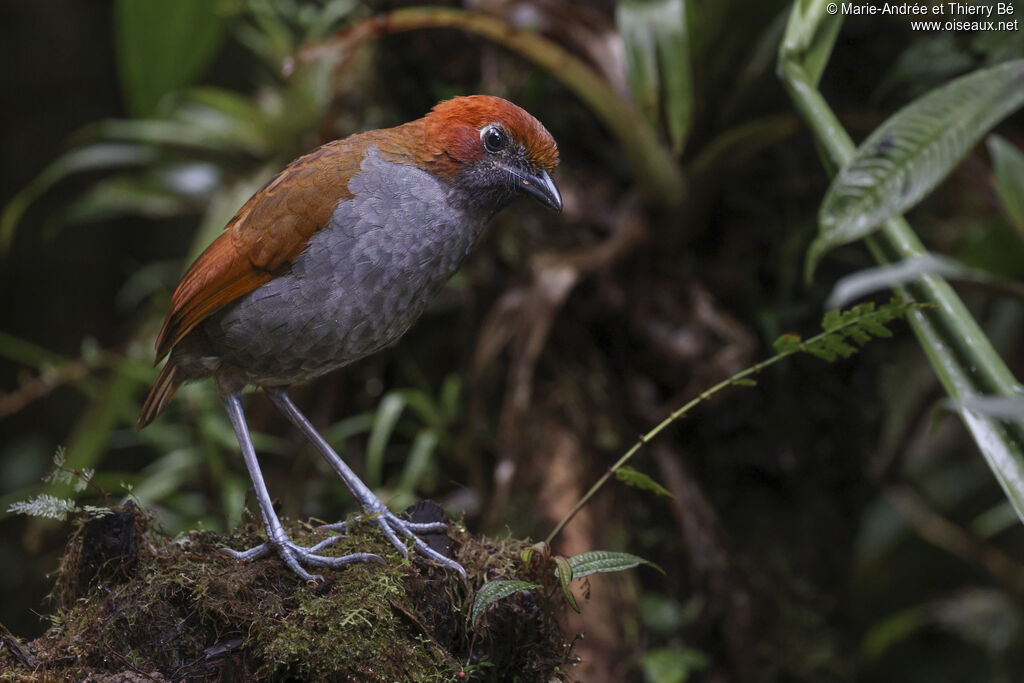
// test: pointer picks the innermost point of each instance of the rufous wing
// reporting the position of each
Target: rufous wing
(266, 234)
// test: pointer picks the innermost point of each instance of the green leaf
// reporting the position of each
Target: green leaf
(565, 575)
(384, 421)
(417, 463)
(492, 591)
(657, 44)
(787, 343)
(123, 195)
(672, 664)
(809, 37)
(961, 355)
(604, 561)
(163, 46)
(423, 406)
(912, 152)
(451, 392)
(631, 477)
(998, 407)
(90, 158)
(1008, 163)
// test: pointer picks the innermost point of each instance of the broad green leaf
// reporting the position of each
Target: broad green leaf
(912, 152)
(604, 561)
(631, 477)
(658, 62)
(163, 46)
(492, 591)
(1008, 163)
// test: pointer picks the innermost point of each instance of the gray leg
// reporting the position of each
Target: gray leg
(276, 535)
(391, 525)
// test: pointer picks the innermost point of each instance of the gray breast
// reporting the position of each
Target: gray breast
(364, 280)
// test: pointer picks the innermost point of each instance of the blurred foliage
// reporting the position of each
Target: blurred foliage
(831, 523)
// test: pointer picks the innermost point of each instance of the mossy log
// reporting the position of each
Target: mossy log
(131, 604)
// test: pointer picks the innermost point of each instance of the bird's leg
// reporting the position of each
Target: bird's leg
(390, 524)
(277, 537)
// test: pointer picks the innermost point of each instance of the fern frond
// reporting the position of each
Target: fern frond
(45, 505)
(858, 325)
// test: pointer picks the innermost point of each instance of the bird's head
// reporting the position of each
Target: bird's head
(493, 150)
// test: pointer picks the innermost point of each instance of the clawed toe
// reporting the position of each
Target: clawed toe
(393, 527)
(396, 529)
(295, 556)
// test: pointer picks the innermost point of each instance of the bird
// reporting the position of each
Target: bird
(334, 259)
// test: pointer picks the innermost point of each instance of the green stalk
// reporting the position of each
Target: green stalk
(960, 353)
(842, 326)
(660, 427)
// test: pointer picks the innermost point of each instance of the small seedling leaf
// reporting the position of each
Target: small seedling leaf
(565, 576)
(636, 479)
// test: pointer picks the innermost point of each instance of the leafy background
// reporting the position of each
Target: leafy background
(834, 522)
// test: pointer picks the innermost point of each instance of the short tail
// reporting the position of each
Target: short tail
(160, 395)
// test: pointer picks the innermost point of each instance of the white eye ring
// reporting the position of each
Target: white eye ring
(494, 138)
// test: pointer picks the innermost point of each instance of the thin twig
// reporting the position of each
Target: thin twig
(944, 534)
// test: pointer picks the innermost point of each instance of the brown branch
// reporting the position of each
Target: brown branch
(944, 534)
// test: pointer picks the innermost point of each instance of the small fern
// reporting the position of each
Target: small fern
(860, 324)
(53, 507)
(843, 332)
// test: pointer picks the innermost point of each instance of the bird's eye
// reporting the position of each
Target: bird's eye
(494, 139)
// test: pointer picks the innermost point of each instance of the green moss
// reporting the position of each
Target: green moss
(181, 608)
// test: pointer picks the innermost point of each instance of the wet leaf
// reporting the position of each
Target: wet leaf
(912, 152)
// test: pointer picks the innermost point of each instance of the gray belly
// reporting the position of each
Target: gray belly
(363, 281)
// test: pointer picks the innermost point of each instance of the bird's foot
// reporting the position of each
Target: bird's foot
(395, 529)
(296, 555)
